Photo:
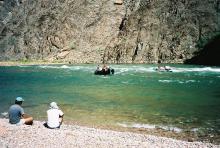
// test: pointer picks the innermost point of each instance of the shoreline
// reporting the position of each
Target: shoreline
(19, 63)
(187, 136)
(81, 136)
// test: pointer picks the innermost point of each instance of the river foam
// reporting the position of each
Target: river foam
(120, 69)
(178, 81)
(150, 126)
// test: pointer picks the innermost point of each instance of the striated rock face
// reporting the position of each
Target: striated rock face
(113, 31)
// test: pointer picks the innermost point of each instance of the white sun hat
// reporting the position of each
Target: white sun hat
(54, 105)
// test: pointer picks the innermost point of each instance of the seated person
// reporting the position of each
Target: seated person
(99, 68)
(17, 115)
(105, 67)
(161, 68)
(167, 67)
(54, 116)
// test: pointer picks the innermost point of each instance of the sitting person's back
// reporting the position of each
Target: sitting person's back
(17, 115)
(54, 116)
(15, 112)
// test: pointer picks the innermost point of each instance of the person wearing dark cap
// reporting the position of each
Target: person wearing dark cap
(17, 115)
(54, 116)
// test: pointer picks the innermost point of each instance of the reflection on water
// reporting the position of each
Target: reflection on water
(136, 96)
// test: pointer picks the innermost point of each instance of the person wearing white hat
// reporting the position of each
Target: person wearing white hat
(17, 115)
(54, 116)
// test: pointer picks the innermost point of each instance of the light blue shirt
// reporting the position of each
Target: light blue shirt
(15, 112)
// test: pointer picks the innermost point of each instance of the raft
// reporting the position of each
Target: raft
(164, 70)
(103, 72)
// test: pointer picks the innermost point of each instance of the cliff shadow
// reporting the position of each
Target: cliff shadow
(209, 55)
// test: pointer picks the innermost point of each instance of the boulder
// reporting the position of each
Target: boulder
(118, 2)
(62, 55)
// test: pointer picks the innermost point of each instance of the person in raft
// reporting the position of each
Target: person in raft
(17, 115)
(54, 116)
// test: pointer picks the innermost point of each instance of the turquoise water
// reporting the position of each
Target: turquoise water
(136, 96)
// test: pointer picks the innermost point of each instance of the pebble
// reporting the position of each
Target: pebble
(68, 136)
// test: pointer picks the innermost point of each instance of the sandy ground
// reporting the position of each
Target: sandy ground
(74, 136)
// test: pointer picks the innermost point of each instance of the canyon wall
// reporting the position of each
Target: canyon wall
(106, 31)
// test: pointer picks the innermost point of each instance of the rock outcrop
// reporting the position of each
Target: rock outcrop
(112, 31)
(209, 55)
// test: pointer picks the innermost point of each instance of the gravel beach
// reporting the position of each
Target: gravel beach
(24, 136)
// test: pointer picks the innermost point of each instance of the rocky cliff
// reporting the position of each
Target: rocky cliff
(113, 31)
